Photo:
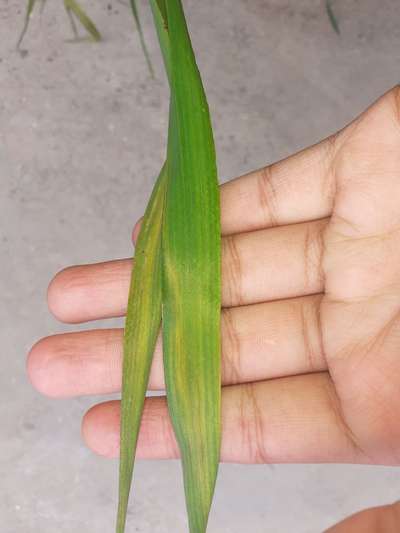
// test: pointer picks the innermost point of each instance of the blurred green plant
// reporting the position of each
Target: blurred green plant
(75, 13)
(332, 17)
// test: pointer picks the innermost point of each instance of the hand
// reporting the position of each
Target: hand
(384, 519)
(310, 319)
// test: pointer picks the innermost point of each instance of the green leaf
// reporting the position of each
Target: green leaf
(332, 17)
(163, 11)
(72, 6)
(141, 36)
(143, 319)
(158, 8)
(191, 276)
(189, 258)
(142, 326)
(29, 9)
(71, 21)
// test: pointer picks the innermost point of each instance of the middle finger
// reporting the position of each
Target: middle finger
(259, 342)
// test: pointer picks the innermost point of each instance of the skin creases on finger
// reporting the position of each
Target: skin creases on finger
(259, 342)
(273, 264)
(260, 266)
(295, 190)
(286, 420)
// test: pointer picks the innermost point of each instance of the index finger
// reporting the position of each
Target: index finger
(294, 190)
(297, 189)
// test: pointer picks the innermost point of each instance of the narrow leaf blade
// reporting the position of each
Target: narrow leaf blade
(71, 20)
(158, 8)
(74, 7)
(332, 17)
(135, 13)
(191, 277)
(142, 326)
(29, 10)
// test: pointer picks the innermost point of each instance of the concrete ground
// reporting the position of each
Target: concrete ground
(82, 132)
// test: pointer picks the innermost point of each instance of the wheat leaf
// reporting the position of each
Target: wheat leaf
(332, 17)
(141, 329)
(141, 36)
(29, 10)
(72, 6)
(191, 276)
(161, 23)
(142, 307)
(71, 21)
(189, 260)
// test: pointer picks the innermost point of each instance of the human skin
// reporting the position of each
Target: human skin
(310, 318)
(384, 519)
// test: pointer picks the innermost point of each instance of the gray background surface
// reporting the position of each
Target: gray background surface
(82, 132)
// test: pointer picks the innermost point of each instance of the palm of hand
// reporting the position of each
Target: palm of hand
(360, 308)
(311, 294)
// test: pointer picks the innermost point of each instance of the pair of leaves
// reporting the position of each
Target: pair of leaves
(73, 9)
(177, 277)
